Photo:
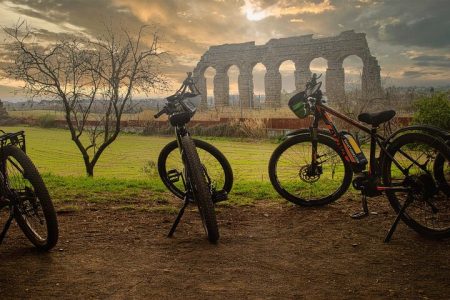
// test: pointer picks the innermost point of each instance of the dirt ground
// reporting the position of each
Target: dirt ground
(269, 250)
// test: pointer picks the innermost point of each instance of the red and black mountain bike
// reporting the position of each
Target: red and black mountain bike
(315, 167)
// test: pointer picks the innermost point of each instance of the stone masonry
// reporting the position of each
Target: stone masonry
(301, 50)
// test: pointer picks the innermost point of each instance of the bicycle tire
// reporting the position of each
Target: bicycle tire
(201, 192)
(441, 176)
(275, 173)
(219, 180)
(435, 132)
(31, 196)
(421, 183)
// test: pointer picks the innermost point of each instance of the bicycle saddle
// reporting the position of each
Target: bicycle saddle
(377, 118)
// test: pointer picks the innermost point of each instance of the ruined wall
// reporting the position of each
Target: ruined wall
(301, 50)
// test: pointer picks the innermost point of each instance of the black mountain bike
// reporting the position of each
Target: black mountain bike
(315, 167)
(191, 169)
(23, 194)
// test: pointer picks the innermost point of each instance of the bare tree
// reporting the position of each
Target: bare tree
(86, 75)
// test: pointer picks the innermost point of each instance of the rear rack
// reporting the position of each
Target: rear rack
(15, 138)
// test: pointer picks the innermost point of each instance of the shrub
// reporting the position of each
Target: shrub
(248, 128)
(47, 121)
(433, 110)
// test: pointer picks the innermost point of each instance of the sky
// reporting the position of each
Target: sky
(410, 38)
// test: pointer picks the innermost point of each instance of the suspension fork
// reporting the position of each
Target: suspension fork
(314, 141)
(180, 132)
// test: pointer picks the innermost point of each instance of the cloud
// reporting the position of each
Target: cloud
(409, 23)
(189, 28)
(413, 74)
(255, 11)
(432, 61)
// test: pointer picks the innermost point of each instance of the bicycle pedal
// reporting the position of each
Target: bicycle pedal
(173, 175)
(219, 196)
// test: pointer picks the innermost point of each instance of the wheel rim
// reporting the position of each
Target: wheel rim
(297, 177)
(28, 204)
(430, 208)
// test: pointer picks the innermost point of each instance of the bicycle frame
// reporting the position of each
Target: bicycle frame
(322, 112)
(373, 175)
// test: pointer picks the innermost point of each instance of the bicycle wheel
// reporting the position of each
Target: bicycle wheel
(215, 164)
(416, 154)
(441, 171)
(294, 179)
(201, 192)
(438, 168)
(34, 211)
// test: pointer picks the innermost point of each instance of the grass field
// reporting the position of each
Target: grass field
(120, 170)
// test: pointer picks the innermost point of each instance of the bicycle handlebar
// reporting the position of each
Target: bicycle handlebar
(187, 90)
(160, 113)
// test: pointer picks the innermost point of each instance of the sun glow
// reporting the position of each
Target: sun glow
(254, 12)
(251, 11)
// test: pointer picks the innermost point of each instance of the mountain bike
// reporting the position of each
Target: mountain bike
(24, 195)
(191, 169)
(314, 167)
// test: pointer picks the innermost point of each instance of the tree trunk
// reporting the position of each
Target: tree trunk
(89, 170)
(89, 167)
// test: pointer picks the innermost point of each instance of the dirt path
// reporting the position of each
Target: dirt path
(265, 251)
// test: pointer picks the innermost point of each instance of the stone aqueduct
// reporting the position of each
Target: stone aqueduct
(301, 50)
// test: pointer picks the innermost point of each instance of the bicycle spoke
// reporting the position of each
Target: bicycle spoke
(429, 212)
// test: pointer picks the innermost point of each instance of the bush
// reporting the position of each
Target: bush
(248, 128)
(47, 121)
(433, 110)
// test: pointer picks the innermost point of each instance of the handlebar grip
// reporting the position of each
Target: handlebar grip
(163, 111)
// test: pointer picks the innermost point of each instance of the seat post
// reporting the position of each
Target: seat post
(373, 148)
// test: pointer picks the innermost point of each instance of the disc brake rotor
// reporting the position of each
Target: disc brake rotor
(308, 175)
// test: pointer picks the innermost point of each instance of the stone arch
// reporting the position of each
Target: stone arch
(299, 49)
(287, 70)
(201, 81)
(259, 71)
(319, 65)
(233, 73)
(370, 77)
(353, 67)
(208, 91)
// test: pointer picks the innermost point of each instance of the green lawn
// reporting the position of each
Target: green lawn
(54, 152)
(119, 172)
